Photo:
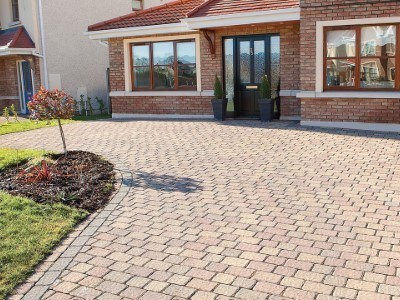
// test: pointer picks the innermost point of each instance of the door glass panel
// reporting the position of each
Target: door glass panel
(245, 62)
(259, 61)
(229, 74)
(275, 64)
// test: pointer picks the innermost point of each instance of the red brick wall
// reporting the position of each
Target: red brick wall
(210, 65)
(290, 107)
(162, 105)
(360, 110)
(351, 110)
(9, 78)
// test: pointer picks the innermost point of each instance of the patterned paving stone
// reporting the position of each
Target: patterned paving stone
(238, 210)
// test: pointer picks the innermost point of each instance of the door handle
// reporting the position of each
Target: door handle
(251, 51)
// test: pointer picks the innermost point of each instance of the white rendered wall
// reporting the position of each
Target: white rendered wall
(73, 60)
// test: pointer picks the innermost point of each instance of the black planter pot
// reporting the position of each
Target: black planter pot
(219, 108)
(266, 110)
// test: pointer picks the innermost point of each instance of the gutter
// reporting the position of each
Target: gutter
(43, 56)
(188, 25)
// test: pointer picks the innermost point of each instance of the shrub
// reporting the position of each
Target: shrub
(6, 114)
(82, 105)
(218, 90)
(101, 105)
(265, 88)
(50, 105)
(90, 105)
(14, 112)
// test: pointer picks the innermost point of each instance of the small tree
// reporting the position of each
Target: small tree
(50, 105)
(218, 90)
(90, 105)
(6, 114)
(101, 104)
(265, 88)
(14, 112)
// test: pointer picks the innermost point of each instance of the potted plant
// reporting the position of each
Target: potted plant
(219, 103)
(265, 102)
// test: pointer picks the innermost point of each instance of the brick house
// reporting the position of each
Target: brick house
(335, 60)
(40, 46)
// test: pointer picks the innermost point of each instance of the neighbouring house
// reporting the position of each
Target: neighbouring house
(42, 44)
(335, 60)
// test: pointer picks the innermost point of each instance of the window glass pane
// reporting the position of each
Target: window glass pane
(245, 62)
(259, 61)
(378, 41)
(340, 72)
(275, 64)
(341, 43)
(141, 55)
(141, 77)
(15, 10)
(229, 74)
(186, 52)
(164, 77)
(378, 73)
(163, 53)
(187, 76)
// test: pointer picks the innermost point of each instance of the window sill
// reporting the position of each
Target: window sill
(15, 23)
(163, 93)
(350, 95)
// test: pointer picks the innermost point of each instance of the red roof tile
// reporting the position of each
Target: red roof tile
(168, 13)
(224, 7)
(173, 12)
(16, 37)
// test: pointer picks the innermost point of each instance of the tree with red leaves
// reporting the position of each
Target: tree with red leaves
(49, 105)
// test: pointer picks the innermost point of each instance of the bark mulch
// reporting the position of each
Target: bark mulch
(82, 180)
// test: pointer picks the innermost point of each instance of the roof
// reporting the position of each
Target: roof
(174, 12)
(224, 7)
(168, 13)
(16, 37)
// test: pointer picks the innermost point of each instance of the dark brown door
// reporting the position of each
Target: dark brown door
(252, 65)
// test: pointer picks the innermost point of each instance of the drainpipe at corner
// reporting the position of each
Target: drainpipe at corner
(46, 78)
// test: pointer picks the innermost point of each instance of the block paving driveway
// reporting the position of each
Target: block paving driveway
(237, 210)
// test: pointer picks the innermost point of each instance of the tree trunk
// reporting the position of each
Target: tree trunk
(62, 137)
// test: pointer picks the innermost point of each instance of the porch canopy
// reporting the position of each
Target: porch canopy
(16, 41)
(193, 15)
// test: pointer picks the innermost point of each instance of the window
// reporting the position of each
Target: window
(15, 10)
(362, 58)
(164, 66)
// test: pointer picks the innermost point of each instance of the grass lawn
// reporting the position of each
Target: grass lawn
(12, 157)
(28, 233)
(25, 125)
(28, 230)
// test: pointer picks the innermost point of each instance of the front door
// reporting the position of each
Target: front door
(246, 60)
(252, 66)
(26, 84)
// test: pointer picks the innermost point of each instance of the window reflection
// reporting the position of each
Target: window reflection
(378, 72)
(340, 72)
(229, 74)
